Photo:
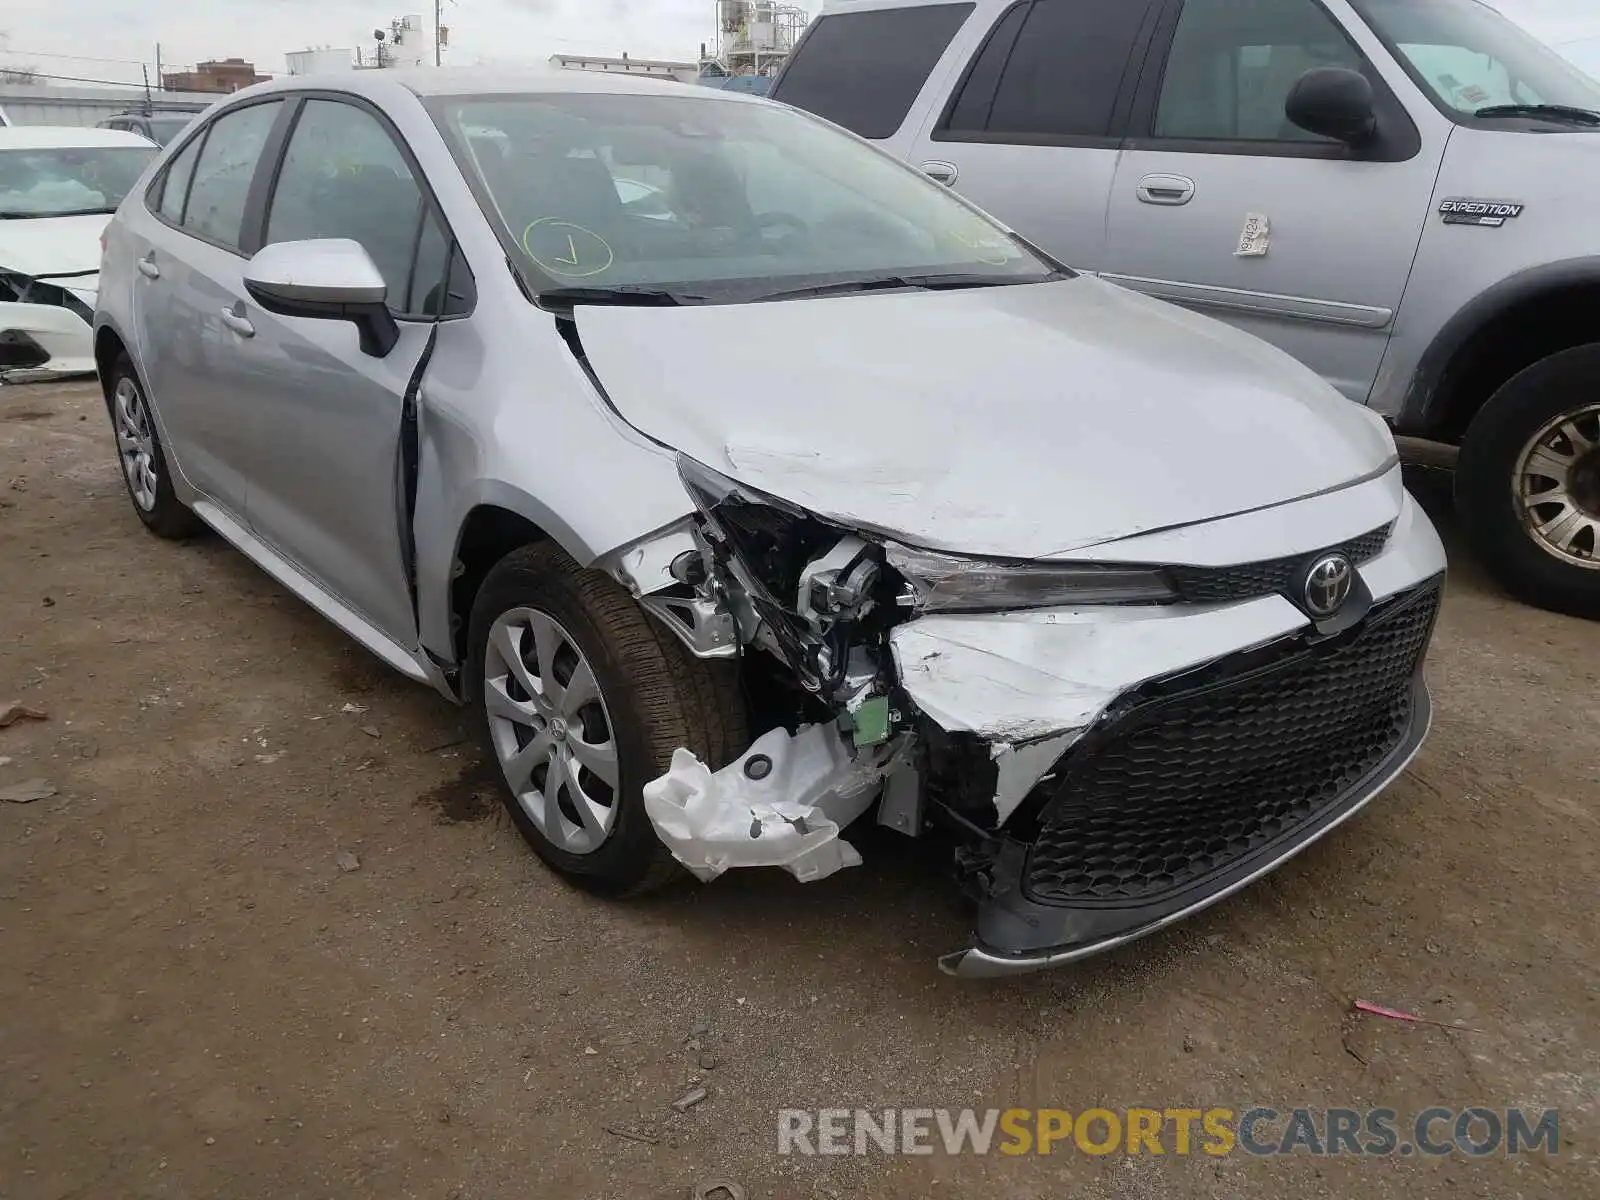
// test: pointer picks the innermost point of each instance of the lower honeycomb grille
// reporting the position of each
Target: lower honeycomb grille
(1186, 786)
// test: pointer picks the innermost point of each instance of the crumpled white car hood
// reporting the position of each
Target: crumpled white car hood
(52, 245)
(1018, 422)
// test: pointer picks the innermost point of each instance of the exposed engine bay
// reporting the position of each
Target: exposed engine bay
(809, 609)
(1103, 744)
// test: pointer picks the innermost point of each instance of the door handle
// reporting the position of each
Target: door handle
(941, 172)
(235, 320)
(1166, 189)
(148, 268)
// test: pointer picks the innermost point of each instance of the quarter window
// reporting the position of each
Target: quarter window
(1233, 63)
(223, 173)
(344, 177)
(865, 70)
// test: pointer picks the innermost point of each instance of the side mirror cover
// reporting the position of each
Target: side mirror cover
(1334, 102)
(328, 279)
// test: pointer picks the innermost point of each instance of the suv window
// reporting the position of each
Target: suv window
(175, 187)
(225, 168)
(864, 70)
(344, 177)
(1233, 63)
(1052, 68)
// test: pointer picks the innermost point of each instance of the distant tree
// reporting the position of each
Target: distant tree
(29, 75)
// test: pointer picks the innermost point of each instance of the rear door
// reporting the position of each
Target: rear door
(1033, 124)
(1222, 204)
(328, 490)
(206, 373)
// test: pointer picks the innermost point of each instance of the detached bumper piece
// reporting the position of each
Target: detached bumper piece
(1204, 782)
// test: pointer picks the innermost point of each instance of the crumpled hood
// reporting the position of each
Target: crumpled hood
(1017, 422)
(52, 245)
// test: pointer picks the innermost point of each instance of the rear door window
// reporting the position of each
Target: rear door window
(176, 188)
(864, 70)
(1050, 68)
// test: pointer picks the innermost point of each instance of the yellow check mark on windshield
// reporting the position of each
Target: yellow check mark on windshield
(572, 250)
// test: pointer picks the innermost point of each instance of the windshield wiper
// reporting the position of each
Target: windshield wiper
(946, 282)
(1558, 112)
(71, 212)
(629, 294)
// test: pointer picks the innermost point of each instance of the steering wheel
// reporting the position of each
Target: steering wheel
(780, 229)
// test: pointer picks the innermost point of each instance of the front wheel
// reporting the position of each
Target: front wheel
(581, 698)
(1528, 483)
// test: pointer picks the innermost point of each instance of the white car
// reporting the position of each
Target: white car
(826, 500)
(58, 188)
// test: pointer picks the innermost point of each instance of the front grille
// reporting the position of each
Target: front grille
(1210, 585)
(1186, 785)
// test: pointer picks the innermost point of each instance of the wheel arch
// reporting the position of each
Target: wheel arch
(108, 344)
(1507, 328)
(500, 520)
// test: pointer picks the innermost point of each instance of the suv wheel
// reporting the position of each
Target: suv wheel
(582, 698)
(144, 463)
(1528, 483)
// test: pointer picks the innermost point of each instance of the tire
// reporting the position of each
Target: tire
(1493, 474)
(654, 696)
(149, 486)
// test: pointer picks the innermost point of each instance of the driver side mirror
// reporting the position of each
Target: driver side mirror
(1334, 102)
(327, 279)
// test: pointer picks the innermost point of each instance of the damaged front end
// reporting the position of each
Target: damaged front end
(46, 325)
(1109, 747)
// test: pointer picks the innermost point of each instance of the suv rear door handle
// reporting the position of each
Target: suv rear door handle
(235, 320)
(940, 172)
(1166, 189)
(148, 268)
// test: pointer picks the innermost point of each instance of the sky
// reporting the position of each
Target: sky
(107, 39)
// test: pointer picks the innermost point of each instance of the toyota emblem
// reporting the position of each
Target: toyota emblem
(1328, 585)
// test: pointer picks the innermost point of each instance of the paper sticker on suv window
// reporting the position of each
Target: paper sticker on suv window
(1488, 213)
(1256, 239)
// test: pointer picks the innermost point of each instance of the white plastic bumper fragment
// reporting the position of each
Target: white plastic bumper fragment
(60, 332)
(786, 811)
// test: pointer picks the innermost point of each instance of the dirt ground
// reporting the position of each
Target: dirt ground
(199, 1001)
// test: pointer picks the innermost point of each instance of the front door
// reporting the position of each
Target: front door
(327, 487)
(1222, 204)
(1033, 130)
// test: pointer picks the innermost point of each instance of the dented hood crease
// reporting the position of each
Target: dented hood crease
(1018, 422)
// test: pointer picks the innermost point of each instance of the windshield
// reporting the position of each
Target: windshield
(712, 199)
(164, 129)
(59, 182)
(1470, 57)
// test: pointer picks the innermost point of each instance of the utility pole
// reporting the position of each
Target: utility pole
(159, 84)
(438, 16)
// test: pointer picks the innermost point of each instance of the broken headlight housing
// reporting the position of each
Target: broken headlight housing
(948, 583)
(810, 583)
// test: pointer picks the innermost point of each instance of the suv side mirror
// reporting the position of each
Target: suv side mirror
(328, 279)
(1335, 102)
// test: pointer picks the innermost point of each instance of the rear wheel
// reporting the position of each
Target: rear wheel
(144, 462)
(581, 699)
(1528, 483)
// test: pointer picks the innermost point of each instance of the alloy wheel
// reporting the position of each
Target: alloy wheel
(136, 443)
(551, 730)
(1558, 487)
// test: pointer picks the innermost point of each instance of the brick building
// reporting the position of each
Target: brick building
(228, 75)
